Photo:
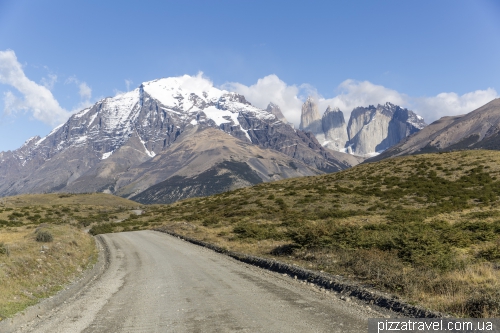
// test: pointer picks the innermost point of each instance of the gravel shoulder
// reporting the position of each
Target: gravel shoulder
(146, 281)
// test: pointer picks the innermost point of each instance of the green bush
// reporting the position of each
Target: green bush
(210, 221)
(104, 228)
(491, 253)
(257, 231)
(44, 236)
(483, 304)
(4, 249)
(281, 203)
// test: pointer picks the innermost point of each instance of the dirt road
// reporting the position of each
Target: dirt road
(158, 283)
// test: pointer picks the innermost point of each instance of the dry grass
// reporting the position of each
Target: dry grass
(34, 270)
(31, 269)
(449, 292)
(425, 227)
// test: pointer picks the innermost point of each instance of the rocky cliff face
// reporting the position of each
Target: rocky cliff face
(375, 129)
(370, 130)
(334, 129)
(479, 129)
(310, 120)
(98, 147)
(276, 110)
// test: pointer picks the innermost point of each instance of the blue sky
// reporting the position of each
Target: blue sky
(436, 57)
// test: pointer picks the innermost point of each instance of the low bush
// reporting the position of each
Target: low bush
(210, 221)
(284, 250)
(104, 228)
(4, 249)
(257, 231)
(483, 303)
(44, 236)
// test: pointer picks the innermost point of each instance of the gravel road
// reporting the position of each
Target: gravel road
(154, 282)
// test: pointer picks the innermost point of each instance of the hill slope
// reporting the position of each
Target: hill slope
(420, 226)
(204, 162)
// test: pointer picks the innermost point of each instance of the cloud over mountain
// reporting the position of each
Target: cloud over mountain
(351, 94)
(36, 99)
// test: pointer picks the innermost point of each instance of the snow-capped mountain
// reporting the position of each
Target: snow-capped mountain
(97, 146)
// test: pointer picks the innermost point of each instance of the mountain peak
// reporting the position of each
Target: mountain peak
(276, 110)
(310, 120)
(330, 109)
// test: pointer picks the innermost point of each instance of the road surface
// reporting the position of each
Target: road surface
(158, 283)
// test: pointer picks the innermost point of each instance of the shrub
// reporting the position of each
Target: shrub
(257, 231)
(281, 203)
(103, 228)
(44, 236)
(210, 220)
(491, 253)
(483, 304)
(4, 249)
(284, 250)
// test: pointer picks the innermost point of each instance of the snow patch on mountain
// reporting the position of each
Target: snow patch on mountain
(81, 113)
(106, 155)
(149, 153)
(175, 92)
(119, 108)
(51, 132)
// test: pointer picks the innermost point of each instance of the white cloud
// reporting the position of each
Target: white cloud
(48, 82)
(451, 104)
(10, 101)
(85, 91)
(351, 94)
(272, 89)
(37, 99)
(128, 83)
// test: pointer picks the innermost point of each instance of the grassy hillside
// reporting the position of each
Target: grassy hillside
(425, 227)
(43, 243)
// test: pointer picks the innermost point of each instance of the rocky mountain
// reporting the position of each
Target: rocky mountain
(118, 144)
(207, 161)
(375, 129)
(310, 120)
(370, 130)
(479, 129)
(276, 110)
(334, 129)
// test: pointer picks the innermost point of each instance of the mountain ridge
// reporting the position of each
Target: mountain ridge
(120, 133)
(369, 131)
(478, 129)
